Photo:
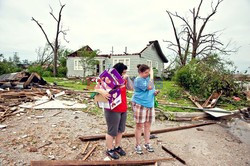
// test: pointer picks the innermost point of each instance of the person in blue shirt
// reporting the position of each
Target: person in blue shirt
(143, 107)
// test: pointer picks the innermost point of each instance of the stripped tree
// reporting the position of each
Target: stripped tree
(59, 29)
(192, 39)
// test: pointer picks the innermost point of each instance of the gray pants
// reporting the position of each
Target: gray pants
(116, 122)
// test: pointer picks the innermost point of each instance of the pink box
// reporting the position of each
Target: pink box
(110, 80)
(114, 100)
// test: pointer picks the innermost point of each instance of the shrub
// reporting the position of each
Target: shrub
(205, 76)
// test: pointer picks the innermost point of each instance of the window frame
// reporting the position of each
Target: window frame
(124, 62)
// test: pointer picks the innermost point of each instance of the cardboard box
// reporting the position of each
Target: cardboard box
(112, 78)
(110, 81)
(114, 101)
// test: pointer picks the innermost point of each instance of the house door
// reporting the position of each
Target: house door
(97, 69)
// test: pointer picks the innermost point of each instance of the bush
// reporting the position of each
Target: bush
(47, 74)
(205, 76)
(62, 71)
(36, 68)
(8, 67)
(41, 71)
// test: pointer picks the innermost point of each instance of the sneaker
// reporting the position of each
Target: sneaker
(112, 154)
(148, 147)
(138, 149)
(120, 151)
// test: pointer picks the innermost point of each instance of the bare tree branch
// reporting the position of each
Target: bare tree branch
(55, 46)
(43, 33)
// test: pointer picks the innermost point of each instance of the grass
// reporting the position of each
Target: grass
(170, 93)
(64, 82)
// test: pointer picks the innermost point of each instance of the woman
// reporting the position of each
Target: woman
(116, 118)
(142, 105)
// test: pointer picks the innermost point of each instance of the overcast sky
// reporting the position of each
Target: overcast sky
(102, 24)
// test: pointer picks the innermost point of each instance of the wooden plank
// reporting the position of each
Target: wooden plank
(85, 147)
(102, 136)
(106, 163)
(212, 100)
(174, 155)
(88, 154)
(193, 100)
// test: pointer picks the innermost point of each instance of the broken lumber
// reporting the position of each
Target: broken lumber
(174, 155)
(202, 109)
(85, 147)
(88, 154)
(102, 136)
(193, 100)
(212, 100)
(114, 162)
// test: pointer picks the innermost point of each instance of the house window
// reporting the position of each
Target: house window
(125, 61)
(149, 63)
(103, 65)
(77, 64)
(156, 65)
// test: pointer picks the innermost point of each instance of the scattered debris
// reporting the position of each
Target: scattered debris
(236, 98)
(193, 99)
(33, 149)
(21, 80)
(47, 143)
(85, 147)
(216, 112)
(212, 100)
(174, 155)
(98, 137)
(89, 153)
(3, 126)
(199, 129)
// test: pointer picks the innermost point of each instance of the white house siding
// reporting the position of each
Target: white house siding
(151, 54)
(76, 72)
(133, 59)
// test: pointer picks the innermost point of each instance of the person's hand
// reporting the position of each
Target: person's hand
(106, 95)
(125, 76)
(156, 92)
(150, 87)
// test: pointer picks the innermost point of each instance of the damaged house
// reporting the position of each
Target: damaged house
(151, 55)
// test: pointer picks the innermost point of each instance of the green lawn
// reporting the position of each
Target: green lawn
(64, 82)
(170, 93)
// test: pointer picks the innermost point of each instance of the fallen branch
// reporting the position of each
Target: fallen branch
(102, 136)
(174, 155)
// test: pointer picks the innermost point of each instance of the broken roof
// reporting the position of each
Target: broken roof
(86, 48)
(155, 43)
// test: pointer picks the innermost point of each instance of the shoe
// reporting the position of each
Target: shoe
(120, 151)
(148, 147)
(138, 149)
(112, 154)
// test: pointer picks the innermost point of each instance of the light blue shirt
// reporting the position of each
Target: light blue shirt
(142, 95)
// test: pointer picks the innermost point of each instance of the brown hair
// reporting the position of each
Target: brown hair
(142, 68)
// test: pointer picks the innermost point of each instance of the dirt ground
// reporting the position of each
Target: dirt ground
(54, 136)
